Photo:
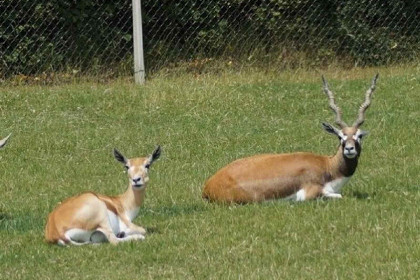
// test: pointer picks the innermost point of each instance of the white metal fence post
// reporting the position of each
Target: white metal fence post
(139, 73)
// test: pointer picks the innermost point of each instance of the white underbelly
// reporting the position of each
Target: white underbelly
(81, 236)
(78, 235)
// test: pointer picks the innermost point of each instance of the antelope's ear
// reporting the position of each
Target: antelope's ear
(4, 140)
(155, 155)
(331, 129)
(118, 156)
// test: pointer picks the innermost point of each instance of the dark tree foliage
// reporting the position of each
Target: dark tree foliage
(93, 34)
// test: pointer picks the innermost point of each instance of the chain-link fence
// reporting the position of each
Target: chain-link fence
(94, 37)
(66, 37)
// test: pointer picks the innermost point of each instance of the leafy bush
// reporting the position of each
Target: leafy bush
(95, 35)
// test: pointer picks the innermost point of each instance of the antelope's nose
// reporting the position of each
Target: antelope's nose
(136, 180)
(350, 149)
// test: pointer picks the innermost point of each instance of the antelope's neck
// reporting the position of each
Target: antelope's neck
(342, 166)
(133, 198)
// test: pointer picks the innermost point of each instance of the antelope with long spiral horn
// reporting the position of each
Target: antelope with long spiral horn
(297, 176)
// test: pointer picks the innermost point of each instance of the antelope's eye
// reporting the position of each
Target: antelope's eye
(126, 167)
(147, 166)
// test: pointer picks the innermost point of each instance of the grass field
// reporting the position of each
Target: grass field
(62, 145)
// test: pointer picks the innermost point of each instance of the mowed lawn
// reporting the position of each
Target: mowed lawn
(62, 144)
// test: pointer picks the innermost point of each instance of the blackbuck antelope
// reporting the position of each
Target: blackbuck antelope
(4, 141)
(96, 218)
(297, 176)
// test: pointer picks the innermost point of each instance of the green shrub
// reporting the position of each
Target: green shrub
(96, 35)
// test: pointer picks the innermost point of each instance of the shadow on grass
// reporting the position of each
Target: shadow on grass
(174, 210)
(21, 222)
(167, 212)
(4, 217)
(362, 195)
(153, 230)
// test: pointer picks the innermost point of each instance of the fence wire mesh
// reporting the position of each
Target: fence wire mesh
(94, 37)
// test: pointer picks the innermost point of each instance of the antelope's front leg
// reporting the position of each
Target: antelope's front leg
(311, 191)
(137, 229)
(131, 228)
(133, 232)
(113, 239)
(332, 195)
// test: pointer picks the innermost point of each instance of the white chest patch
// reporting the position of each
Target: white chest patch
(114, 221)
(334, 187)
(132, 214)
(117, 224)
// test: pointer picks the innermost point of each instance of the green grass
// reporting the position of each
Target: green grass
(62, 145)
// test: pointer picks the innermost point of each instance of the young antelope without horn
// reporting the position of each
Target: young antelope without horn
(96, 218)
(297, 176)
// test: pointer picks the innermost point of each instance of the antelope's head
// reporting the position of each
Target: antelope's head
(4, 141)
(138, 168)
(350, 136)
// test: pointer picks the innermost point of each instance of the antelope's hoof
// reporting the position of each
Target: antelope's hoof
(121, 234)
